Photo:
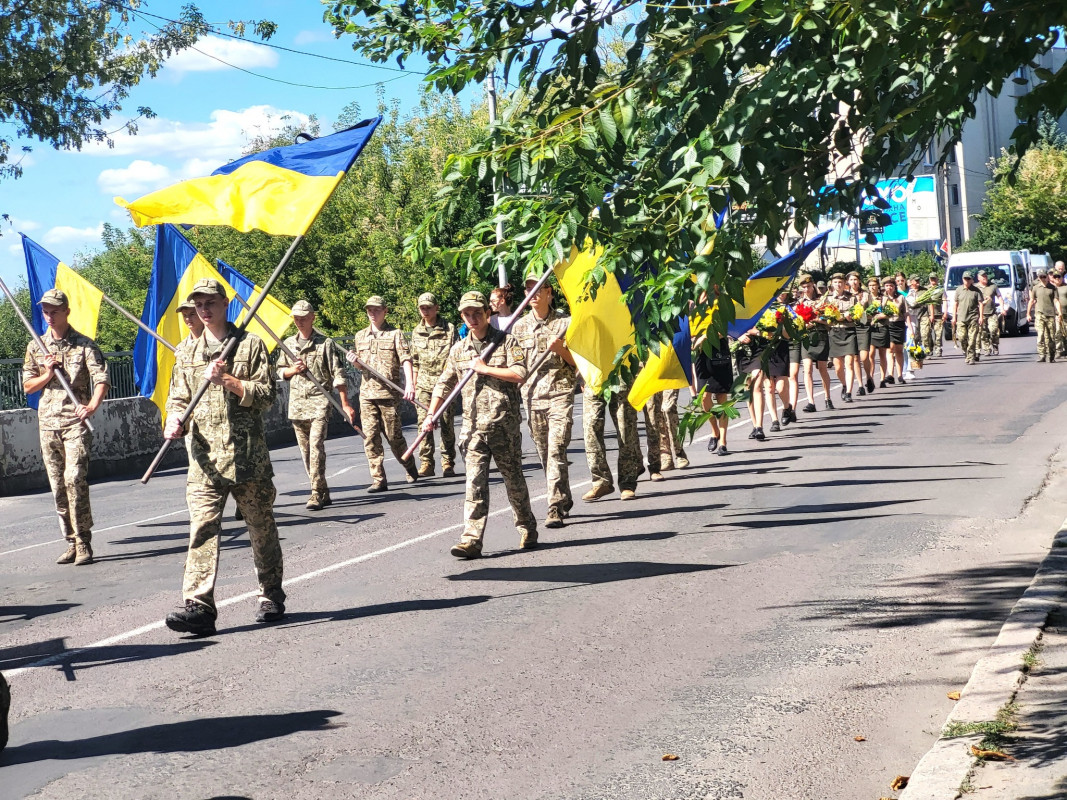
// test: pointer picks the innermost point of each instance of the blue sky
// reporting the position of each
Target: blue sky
(207, 112)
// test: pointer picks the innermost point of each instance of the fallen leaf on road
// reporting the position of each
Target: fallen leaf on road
(670, 757)
(860, 738)
(995, 755)
(953, 695)
(899, 782)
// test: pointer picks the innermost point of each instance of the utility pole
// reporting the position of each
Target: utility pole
(490, 89)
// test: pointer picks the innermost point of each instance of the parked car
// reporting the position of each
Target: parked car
(1007, 269)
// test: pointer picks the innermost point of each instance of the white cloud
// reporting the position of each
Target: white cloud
(16, 224)
(140, 176)
(73, 239)
(211, 52)
(216, 142)
(311, 37)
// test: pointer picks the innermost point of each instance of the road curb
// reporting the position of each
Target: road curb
(995, 680)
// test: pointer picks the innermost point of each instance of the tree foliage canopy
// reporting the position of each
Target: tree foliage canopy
(756, 101)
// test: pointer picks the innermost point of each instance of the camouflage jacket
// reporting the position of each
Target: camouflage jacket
(429, 351)
(84, 364)
(227, 444)
(554, 381)
(486, 401)
(385, 350)
(321, 357)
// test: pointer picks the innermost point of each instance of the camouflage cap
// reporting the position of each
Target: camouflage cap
(301, 308)
(933, 276)
(968, 274)
(427, 299)
(53, 297)
(473, 300)
(208, 286)
(186, 305)
(374, 301)
(914, 277)
(1040, 273)
(982, 272)
(803, 278)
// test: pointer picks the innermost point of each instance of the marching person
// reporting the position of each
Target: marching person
(815, 349)
(714, 375)
(595, 410)
(844, 347)
(1043, 298)
(431, 340)
(931, 324)
(309, 410)
(491, 423)
(65, 441)
(672, 450)
(382, 346)
(897, 323)
(915, 312)
(967, 317)
(500, 304)
(1060, 285)
(991, 314)
(548, 393)
(192, 321)
(865, 362)
(228, 456)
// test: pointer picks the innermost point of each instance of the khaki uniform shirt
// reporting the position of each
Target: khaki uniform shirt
(227, 444)
(1044, 297)
(842, 302)
(320, 356)
(989, 298)
(85, 367)
(487, 401)
(385, 350)
(901, 302)
(555, 379)
(429, 351)
(1061, 295)
(967, 303)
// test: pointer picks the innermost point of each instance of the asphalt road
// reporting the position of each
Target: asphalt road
(752, 615)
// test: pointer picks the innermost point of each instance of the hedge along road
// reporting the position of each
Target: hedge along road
(752, 614)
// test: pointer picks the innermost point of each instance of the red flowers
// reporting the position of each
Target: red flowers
(805, 312)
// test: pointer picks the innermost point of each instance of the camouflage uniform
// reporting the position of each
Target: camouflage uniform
(1061, 338)
(594, 410)
(967, 302)
(309, 410)
(989, 336)
(429, 351)
(491, 428)
(65, 441)
(228, 455)
(549, 398)
(385, 350)
(1045, 320)
(663, 409)
(931, 328)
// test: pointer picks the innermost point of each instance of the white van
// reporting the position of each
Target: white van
(1036, 261)
(1007, 269)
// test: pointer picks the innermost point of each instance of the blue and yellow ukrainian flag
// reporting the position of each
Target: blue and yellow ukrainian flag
(176, 268)
(274, 313)
(765, 285)
(45, 272)
(600, 328)
(670, 368)
(279, 191)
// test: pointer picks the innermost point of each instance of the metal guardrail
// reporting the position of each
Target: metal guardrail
(119, 367)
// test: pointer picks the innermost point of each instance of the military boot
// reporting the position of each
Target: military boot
(467, 550)
(194, 618)
(426, 469)
(326, 499)
(69, 554)
(314, 502)
(449, 471)
(84, 554)
(528, 540)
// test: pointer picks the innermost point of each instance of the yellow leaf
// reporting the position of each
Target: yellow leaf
(860, 738)
(953, 695)
(994, 755)
(670, 757)
(899, 782)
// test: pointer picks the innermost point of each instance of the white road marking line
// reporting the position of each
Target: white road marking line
(101, 530)
(340, 472)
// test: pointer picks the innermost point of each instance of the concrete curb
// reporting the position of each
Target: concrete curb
(995, 680)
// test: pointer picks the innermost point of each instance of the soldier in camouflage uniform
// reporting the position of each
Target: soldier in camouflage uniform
(989, 336)
(1058, 283)
(967, 317)
(931, 321)
(383, 347)
(228, 456)
(430, 342)
(548, 393)
(594, 410)
(491, 423)
(1043, 297)
(663, 408)
(309, 410)
(65, 441)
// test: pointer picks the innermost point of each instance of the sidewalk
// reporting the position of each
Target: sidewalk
(1015, 703)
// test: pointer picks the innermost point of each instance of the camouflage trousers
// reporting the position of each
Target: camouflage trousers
(989, 336)
(550, 429)
(378, 417)
(1046, 335)
(255, 501)
(663, 408)
(930, 334)
(448, 434)
(967, 338)
(311, 439)
(1061, 336)
(66, 460)
(502, 444)
(594, 411)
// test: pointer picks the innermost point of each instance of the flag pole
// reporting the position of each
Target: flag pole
(61, 376)
(227, 349)
(317, 383)
(351, 354)
(138, 323)
(436, 416)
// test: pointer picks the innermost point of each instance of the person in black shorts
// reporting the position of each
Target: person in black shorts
(898, 329)
(865, 366)
(879, 332)
(761, 375)
(816, 351)
(714, 375)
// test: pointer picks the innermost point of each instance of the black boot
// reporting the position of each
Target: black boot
(194, 618)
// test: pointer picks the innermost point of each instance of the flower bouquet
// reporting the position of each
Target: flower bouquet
(930, 297)
(918, 354)
(831, 315)
(805, 312)
(770, 321)
(858, 314)
(890, 308)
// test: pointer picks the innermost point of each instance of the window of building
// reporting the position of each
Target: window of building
(951, 159)
(957, 237)
(954, 194)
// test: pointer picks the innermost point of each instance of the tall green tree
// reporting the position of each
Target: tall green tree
(757, 101)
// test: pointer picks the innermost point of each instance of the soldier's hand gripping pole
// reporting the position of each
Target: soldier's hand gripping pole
(354, 359)
(227, 349)
(61, 376)
(545, 355)
(486, 353)
(307, 373)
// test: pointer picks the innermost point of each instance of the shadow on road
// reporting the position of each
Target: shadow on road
(56, 653)
(190, 736)
(585, 574)
(15, 613)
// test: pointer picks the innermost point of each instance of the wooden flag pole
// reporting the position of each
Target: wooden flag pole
(138, 323)
(351, 356)
(61, 376)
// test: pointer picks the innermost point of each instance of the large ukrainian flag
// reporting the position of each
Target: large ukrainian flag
(279, 191)
(274, 313)
(176, 268)
(44, 271)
